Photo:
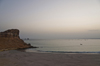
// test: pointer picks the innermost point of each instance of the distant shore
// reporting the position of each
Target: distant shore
(18, 58)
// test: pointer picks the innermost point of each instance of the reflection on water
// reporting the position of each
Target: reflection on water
(65, 45)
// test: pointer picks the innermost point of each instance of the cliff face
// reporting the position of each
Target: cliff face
(10, 40)
(12, 33)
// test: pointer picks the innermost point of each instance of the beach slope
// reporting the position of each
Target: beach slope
(18, 58)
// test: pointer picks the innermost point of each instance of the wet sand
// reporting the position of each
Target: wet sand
(18, 58)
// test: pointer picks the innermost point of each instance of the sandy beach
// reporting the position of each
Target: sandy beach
(18, 58)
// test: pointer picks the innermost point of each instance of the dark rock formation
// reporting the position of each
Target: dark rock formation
(12, 33)
(10, 40)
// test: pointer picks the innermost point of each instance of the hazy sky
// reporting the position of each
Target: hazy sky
(51, 18)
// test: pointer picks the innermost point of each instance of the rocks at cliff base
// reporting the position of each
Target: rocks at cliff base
(10, 40)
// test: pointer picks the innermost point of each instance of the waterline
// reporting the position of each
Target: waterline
(66, 46)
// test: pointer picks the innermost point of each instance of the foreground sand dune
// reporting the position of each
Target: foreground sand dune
(18, 58)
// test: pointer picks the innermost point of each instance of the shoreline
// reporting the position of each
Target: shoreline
(60, 52)
(18, 58)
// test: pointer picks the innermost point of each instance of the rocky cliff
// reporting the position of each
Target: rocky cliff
(10, 40)
(11, 33)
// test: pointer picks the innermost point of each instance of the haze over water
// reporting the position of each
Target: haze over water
(54, 19)
(51, 19)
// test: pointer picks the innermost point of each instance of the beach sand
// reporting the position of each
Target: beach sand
(18, 58)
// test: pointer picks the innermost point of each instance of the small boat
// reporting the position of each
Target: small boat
(80, 44)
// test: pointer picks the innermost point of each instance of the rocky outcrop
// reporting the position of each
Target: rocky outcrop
(11, 33)
(10, 40)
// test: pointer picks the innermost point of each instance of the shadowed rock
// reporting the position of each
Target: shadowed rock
(10, 40)
(12, 33)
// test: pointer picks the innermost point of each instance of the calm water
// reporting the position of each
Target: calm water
(66, 45)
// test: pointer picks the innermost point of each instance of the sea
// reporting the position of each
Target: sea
(64, 45)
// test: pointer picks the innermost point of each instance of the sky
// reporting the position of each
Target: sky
(51, 19)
